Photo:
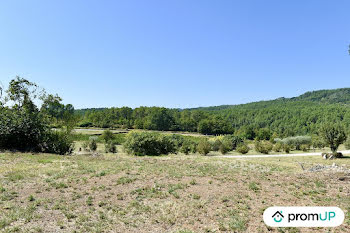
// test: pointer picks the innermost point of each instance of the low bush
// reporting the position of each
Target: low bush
(243, 148)
(111, 147)
(93, 143)
(177, 140)
(215, 144)
(203, 147)
(149, 143)
(278, 147)
(297, 141)
(233, 141)
(304, 147)
(286, 148)
(57, 142)
(317, 142)
(107, 136)
(225, 147)
(188, 146)
(85, 145)
(263, 146)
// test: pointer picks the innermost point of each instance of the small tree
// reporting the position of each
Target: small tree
(333, 135)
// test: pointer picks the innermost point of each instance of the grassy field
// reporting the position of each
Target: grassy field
(175, 193)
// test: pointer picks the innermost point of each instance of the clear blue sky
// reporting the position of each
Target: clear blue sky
(175, 53)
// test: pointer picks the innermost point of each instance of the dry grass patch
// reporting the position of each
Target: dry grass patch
(120, 193)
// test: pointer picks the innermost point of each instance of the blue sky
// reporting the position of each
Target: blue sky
(175, 53)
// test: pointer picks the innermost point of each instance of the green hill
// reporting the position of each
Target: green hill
(284, 116)
(334, 96)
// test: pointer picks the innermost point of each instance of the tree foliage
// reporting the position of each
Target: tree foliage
(23, 126)
(333, 135)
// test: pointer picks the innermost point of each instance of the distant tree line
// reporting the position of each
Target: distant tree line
(262, 119)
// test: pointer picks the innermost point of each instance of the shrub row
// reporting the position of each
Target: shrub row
(150, 143)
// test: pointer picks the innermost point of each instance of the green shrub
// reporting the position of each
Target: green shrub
(22, 130)
(58, 143)
(107, 136)
(278, 147)
(149, 143)
(304, 147)
(111, 147)
(177, 140)
(188, 146)
(215, 145)
(203, 147)
(333, 135)
(119, 138)
(347, 144)
(286, 148)
(263, 146)
(232, 141)
(224, 147)
(243, 148)
(317, 142)
(297, 141)
(85, 145)
(93, 143)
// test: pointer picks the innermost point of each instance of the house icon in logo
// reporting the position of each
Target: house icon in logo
(278, 216)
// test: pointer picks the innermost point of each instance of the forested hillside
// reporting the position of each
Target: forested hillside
(284, 116)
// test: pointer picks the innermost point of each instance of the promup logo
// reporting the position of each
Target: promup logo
(303, 216)
(278, 216)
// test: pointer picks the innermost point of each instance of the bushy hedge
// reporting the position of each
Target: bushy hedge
(263, 146)
(188, 146)
(296, 142)
(58, 142)
(149, 143)
(28, 131)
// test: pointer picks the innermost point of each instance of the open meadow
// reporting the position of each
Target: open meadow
(174, 193)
